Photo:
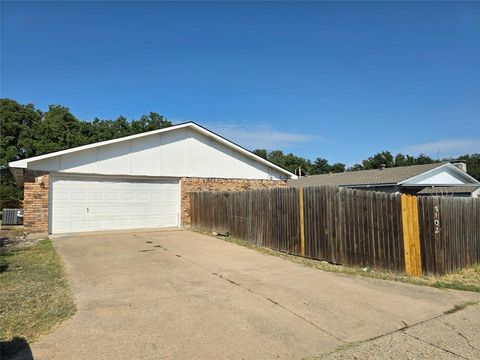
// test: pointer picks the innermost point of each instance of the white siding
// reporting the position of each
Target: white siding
(438, 176)
(442, 178)
(179, 153)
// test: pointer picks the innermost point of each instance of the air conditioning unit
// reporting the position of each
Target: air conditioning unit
(12, 217)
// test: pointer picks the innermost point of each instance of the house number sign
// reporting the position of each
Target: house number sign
(436, 220)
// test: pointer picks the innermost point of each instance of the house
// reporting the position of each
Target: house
(138, 181)
(447, 178)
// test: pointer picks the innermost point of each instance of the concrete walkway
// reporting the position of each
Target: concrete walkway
(181, 295)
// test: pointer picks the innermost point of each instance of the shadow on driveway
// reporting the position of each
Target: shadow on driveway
(17, 348)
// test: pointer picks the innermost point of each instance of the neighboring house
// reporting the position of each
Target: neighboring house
(138, 181)
(432, 179)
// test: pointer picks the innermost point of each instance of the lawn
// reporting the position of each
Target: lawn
(34, 295)
(466, 279)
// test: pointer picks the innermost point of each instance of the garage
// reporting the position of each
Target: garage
(138, 181)
(100, 203)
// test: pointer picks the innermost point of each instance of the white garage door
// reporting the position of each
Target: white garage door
(95, 203)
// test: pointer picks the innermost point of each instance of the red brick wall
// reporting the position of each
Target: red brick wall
(35, 201)
(189, 185)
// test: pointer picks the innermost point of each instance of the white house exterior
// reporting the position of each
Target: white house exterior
(138, 181)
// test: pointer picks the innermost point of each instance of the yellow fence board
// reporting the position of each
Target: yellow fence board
(411, 235)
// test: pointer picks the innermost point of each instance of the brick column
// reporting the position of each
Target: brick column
(35, 201)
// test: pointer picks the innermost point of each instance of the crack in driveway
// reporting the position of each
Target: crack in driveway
(460, 334)
(434, 345)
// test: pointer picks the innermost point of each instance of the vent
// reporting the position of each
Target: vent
(12, 217)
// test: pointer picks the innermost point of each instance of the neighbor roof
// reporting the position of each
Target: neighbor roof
(387, 176)
(23, 163)
(449, 190)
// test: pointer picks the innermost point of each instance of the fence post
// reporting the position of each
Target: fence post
(302, 223)
(411, 235)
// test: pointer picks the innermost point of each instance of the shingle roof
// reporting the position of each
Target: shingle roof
(365, 177)
(449, 190)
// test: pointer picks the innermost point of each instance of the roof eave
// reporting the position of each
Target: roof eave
(369, 185)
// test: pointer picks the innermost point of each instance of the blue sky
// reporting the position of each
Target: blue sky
(339, 80)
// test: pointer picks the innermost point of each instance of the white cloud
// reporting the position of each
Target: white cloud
(445, 148)
(257, 136)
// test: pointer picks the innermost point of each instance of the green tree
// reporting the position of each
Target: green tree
(320, 166)
(473, 164)
(152, 121)
(293, 163)
(261, 152)
(386, 157)
(375, 161)
(423, 159)
(404, 160)
(16, 128)
(356, 167)
(337, 167)
(289, 161)
(58, 129)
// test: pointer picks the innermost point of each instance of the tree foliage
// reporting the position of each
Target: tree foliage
(473, 164)
(386, 158)
(294, 163)
(26, 131)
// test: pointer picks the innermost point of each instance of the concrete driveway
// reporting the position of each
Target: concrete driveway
(181, 295)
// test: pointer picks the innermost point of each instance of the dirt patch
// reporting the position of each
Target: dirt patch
(11, 238)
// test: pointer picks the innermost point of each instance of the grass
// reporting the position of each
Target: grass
(465, 280)
(34, 297)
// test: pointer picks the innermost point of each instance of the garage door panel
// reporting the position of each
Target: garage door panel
(112, 196)
(85, 204)
(60, 196)
(75, 210)
(143, 196)
(78, 195)
(170, 220)
(127, 196)
(113, 209)
(96, 196)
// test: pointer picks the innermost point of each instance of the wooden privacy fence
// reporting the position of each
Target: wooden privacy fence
(398, 233)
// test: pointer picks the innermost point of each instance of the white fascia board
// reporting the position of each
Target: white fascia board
(448, 166)
(24, 162)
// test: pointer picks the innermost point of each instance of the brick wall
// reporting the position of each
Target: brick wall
(189, 185)
(35, 201)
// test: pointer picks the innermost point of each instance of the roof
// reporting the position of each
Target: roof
(387, 176)
(24, 162)
(449, 190)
